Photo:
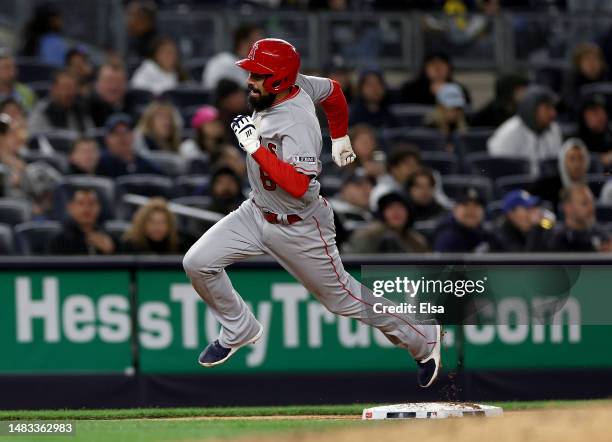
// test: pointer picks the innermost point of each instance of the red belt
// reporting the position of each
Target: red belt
(273, 218)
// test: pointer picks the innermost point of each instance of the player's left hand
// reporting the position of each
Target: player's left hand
(342, 151)
(246, 133)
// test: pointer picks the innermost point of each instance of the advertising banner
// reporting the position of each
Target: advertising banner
(65, 321)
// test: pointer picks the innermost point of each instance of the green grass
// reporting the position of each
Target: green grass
(130, 424)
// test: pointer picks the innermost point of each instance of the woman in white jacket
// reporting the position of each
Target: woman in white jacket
(532, 133)
(162, 71)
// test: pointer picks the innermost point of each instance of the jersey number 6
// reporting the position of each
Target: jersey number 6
(266, 181)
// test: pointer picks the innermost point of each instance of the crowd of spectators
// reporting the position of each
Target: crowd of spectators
(528, 171)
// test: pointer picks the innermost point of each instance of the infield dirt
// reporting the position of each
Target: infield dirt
(592, 424)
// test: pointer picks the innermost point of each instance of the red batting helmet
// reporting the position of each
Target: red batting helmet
(276, 58)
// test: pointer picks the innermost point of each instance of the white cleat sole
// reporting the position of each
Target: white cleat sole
(435, 355)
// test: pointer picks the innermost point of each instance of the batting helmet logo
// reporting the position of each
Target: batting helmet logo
(275, 58)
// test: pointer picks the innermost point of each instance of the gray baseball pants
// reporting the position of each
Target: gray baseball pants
(307, 250)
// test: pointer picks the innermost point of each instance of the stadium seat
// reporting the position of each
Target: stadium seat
(144, 184)
(410, 114)
(493, 210)
(550, 75)
(116, 228)
(444, 162)
(424, 139)
(61, 140)
(454, 184)
(197, 201)
(482, 164)
(475, 140)
(14, 211)
(195, 67)
(104, 187)
(57, 160)
(7, 246)
(199, 165)
(4, 180)
(330, 185)
(33, 237)
(138, 99)
(192, 185)
(186, 96)
(40, 88)
(505, 184)
(171, 164)
(31, 69)
(427, 229)
(596, 181)
(604, 213)
(549, 167)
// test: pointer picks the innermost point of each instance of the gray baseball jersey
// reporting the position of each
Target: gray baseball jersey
(290, 130)
(307, 249)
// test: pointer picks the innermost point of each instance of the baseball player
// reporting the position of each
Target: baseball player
(284, 215)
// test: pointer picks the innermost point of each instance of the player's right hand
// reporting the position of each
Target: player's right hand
(342, 151)
(246, 133)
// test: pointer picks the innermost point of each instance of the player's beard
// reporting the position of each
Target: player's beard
(262, 101)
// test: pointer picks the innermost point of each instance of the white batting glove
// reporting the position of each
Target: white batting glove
(246, 133)
(342, 151)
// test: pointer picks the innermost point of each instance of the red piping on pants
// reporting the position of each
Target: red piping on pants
(349, 292)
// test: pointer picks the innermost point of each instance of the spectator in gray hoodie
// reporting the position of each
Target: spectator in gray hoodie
(532, 133)
(573, 164)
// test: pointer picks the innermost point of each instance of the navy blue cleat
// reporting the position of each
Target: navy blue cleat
(429, 367)
(216, 354)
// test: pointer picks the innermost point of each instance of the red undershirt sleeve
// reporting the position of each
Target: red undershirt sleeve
(336, 110)
(283, 174)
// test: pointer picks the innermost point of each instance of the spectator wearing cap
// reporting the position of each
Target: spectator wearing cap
(533, 133)
(449, 115)
(81, 233)
(109, 94)
(371, 105)
(579, 231)
(351, 204)
(162, 71)
(62, 109)
(523, 226)
(9, 86)
(573, 164)
(84, 157)
(436, 71)
(79, 65)
(462, 231)
(509, 89)
(588, 66)
(209, 133)
(120, 158)
(223, 65)
(594, 128)
(391, 233)
(421, 191)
